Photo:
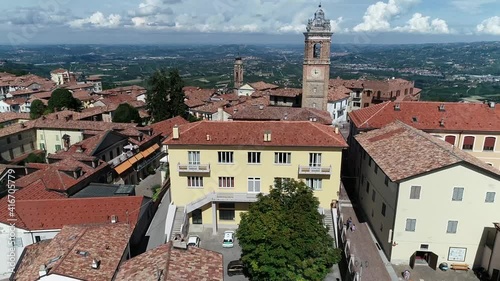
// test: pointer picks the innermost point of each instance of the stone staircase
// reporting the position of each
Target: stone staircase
(328, 221)
(178, 221)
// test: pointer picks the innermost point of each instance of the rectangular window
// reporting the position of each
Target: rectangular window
(373, 195)
(197, 216)
(253, 157)
(410, 224)
(468, 143)
(17, 242)
(490, 197)
(281, 180)
(452, 227)
(364, 154)
(19, 137)
(38, 239)
(226, 211)
(58, 147)
(254, 185)
(458, 194)
(195, 181)
(314, 159)
(370, 162)
(226, 182)
(22, 149)
(8, 140)
(489, 144)
(41, 136)
(314, 184)
(226, 157)
(383, 209)
(415, 192)
(57, 137)
(367, 187)
(282, 157)
(193, 158)
(376, 169)
(386, 180)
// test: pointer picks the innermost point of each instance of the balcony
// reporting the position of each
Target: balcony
(195, 168)
(221, 197)
(319, 170)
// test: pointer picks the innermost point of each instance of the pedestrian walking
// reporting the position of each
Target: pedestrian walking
(406, 275)
(353, 227)
(349, 222)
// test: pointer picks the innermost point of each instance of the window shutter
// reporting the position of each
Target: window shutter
(450, 140)
(489, 142)
(469, 140)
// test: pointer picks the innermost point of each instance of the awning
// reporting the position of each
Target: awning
(123, 167)
(150, 150)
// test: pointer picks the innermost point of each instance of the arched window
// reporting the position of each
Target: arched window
(468, 143)
(489, 143)
(450, 139)
(317, 51)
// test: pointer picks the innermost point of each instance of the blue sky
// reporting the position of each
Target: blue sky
(245, 21)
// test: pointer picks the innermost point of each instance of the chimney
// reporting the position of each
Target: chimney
(441, 107)
(336, 130)
(57, 115)
(114, 219)
(23, 125)
(141, 135)
(77, 172)
(491, 104)
(175, 132)
(79, 148)
(397, 107)
(95, 263)
(220, 114)
(441, 123)
(209, 137)
(42, 271)
(261, 107)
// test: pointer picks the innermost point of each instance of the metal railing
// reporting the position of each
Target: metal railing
(319, 170)
(193, 168)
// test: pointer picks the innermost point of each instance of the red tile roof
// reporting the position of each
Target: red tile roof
(283, 133)
(59, 70)
(427, 116)
(55, 213)
(12, 116)
(72, 251)
(286, 92)
(277, 113)
(402, 151)
(174, 264)
(337, 93)
(261, 86)
(165, 127)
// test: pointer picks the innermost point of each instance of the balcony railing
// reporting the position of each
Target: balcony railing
(307, 170)
(196, 168)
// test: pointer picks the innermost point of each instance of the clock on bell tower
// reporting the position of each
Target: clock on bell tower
(316, 67)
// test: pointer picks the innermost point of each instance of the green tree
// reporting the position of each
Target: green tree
(35, 158)
(165, 98)
(62, 98)
(282, 236)
(37, 109)
(125, 113)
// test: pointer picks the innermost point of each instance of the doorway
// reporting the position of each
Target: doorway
(424, 258)
(197, 217)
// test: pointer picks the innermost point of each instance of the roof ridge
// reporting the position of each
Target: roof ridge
(373, 115)
(82, 231)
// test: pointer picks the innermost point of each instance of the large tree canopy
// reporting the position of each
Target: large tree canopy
(37, 109)
(63, 98)
(282, 236)
(125, 113)
(165, 98)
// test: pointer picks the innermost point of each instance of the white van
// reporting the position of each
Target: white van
(228, 239)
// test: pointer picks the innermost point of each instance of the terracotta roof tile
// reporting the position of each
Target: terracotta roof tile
(261, 86)
(402, 151)
(427, 116)
(286, 92)
(12, 116)
(55, 213)
(174, 264)
(71, 252)
(283, 133)
(336, 93)
(165, 127)
(277, 113)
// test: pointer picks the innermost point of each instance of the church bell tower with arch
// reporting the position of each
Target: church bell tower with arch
(316, 67)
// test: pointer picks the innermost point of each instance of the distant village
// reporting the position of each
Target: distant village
(118, 201)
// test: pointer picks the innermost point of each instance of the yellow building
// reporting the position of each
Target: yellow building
(218, 168)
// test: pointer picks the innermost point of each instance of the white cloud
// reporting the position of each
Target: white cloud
(489, 26)
(472, 6)
(97, 19)
(378, 16)
(423, 24)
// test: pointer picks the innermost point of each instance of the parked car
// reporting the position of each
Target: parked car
(235, 268)
(228, 239)
(194, 241)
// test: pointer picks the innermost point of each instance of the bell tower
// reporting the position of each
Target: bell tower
(238, 73)
(316, 67)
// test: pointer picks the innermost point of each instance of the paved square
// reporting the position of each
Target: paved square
(425, 273)
(214, 243)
